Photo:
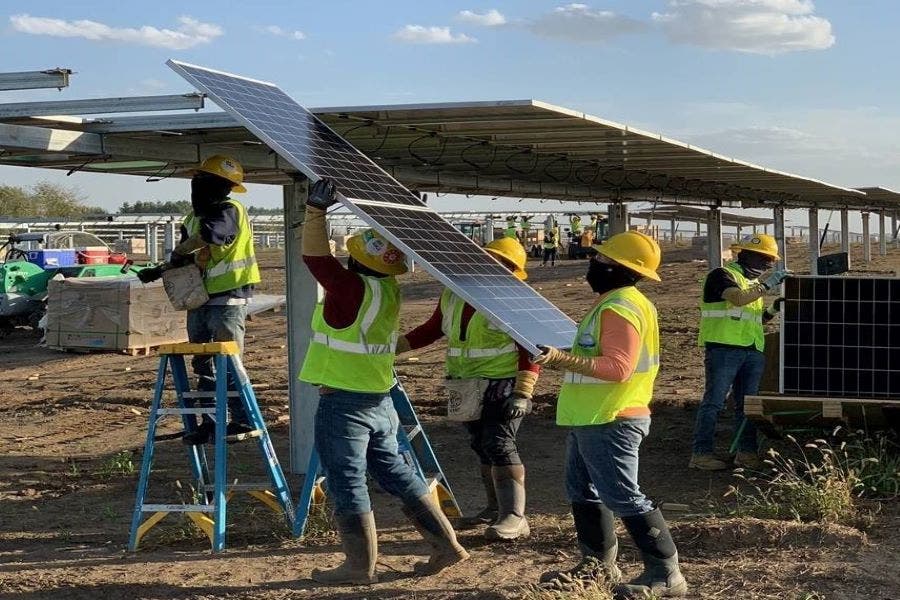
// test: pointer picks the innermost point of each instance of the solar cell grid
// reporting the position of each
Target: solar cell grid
(456, 261)
(841, 337)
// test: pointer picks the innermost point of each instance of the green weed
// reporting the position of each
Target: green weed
(120, 464)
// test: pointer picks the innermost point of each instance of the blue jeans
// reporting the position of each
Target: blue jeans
(602, 466)
(357, 432)
(222, 323)
(739, 369)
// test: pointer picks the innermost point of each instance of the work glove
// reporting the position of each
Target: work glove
(516, 406)
(776, 305)
(775, 278)
(402, 345)
(321, 194)
(549, 356)
(151, 274)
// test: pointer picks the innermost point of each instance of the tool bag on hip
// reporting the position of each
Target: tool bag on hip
(465, 398)
(184, 287)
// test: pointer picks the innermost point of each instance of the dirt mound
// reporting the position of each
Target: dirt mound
(716, 535)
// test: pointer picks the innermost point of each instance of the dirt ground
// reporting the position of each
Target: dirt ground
(72, 429)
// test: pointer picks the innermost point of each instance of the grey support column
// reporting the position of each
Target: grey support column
(302, 295)
(673, 230)
(488, 230)
(779, 235)
(714, 238)
(152, 243)
(814, 241)
(618, 218)
(845, 233)
(866, 238)
(882, 238)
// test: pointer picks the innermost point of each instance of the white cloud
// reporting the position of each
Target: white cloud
(281, 32)
(417, 34)
(492, 18)
(753, 26)
(189, 33)
(581, 23)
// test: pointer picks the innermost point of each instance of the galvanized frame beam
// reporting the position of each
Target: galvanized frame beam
(29, 80)
(102, 105)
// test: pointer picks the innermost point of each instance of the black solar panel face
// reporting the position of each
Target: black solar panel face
(511, 302)
(304, 141)
(841, 337)
(298, 136)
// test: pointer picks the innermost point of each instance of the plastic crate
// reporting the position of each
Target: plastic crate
(48, 259)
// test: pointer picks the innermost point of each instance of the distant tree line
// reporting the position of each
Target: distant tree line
(45, 199)
(179, 207)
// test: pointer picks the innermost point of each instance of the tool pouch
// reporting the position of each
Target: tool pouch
(184, 287)
(465, 398)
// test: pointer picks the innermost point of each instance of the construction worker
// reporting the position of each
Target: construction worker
(511, 227)
(605, 397)
(551, 243)
(477, 350)
(732, 313)
(217, 236)
(575, 225)
(351, 359)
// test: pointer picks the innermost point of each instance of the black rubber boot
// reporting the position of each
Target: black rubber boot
(434, 527)
(509, 481)
(488, 514)
(360, 543)
(661, 577)
(595, 526)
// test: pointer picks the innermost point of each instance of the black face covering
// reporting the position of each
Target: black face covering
(207, 191)
(753, 263)
(603, 277)
(357, 267)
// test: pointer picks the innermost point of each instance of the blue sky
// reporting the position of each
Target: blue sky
(807, 87)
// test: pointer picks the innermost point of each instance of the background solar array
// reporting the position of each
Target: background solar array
(841, 337)
(452, 258)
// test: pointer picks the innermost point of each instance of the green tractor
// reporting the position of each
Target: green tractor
(28, 261)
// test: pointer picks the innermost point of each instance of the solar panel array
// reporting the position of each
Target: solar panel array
(382, 202)
(841, 337)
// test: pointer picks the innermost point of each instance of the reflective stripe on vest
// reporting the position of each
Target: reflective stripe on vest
(355, 348)
(724, 323)
(223, 267)
(481, 352)
(585, 400)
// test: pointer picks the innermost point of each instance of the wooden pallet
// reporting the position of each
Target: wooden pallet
(779, 412)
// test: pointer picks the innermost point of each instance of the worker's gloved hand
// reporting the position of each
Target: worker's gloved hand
(775, 278)
(516, 406)
(151, 274)
(402, 345)
(776, 305)
(321, 194)
(548, 356)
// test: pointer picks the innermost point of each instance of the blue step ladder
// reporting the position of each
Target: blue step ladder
(416, 450)
(211, 496)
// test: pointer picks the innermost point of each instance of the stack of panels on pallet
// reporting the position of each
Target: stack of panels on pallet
(841, 337)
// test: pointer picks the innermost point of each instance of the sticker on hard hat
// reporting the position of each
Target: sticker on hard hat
(755, 240)
(227, 165)
(376, 246)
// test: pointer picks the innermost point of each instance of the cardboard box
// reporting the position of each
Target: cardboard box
(111, 313)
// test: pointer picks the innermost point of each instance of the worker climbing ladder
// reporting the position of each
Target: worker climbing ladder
(211, 496)
(415, 449)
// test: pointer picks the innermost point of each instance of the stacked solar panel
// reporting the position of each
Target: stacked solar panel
(841, 337)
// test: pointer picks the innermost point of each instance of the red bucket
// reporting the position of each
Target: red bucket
(93, 257)
(117, 258)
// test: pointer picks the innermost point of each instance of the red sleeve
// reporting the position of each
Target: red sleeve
(525, 363)
(428, 332)
(344, 289)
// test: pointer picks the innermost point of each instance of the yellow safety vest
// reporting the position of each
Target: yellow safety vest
(511, 232)
(486, 352)
(233, 266)
(555, 242)
(358, 358)
(587, 400)
(576, 225)
(725, 323)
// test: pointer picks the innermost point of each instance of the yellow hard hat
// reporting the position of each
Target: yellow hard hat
(763, 243)
(633, 250)
(226, 168)
(510, 251)
(373, 251)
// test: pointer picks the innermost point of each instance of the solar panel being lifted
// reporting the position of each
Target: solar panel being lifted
(382, 202)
